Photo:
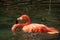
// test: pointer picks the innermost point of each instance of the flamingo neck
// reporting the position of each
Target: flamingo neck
(14, 27)
(27, 19)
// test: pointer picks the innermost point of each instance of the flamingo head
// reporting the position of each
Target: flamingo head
(23, 17)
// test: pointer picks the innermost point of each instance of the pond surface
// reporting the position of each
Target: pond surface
(7, 35)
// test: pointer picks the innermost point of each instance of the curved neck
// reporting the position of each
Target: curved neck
(14, 27)
(27, 19)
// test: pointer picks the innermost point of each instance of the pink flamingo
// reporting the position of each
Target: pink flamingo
(34, 27)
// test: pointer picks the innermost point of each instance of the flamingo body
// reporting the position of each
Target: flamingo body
(39, 28)
(34, 27)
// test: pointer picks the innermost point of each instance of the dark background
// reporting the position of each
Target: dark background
(39, 11)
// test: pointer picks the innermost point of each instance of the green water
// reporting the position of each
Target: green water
(7, 35)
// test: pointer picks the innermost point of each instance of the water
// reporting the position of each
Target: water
(7, 35)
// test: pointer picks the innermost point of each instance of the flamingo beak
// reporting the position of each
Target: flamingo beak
(19, 18)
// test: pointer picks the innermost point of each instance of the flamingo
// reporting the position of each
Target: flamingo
(33, 27)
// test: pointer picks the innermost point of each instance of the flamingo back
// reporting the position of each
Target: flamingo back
(34, 28)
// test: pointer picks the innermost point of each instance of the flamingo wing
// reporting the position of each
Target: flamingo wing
(35, 28)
